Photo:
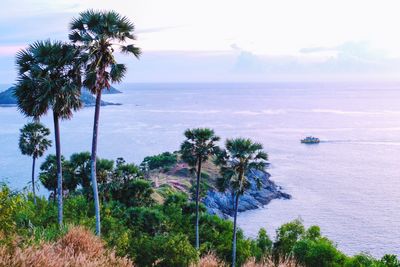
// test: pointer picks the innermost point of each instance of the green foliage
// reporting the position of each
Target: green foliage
(9, 204)
(104, 169)
(366, 260)
(80, 168)
(49, 77)
(389, 260)
(286, 237)
(43, 215)
(176, 250)
(240, 156)
(199, 145)
(162, 161)
(318, 252)
(33, 140)
(204, 187)
(126, 171)
(48, 174)
(134, 193)
(150, 221)
(263, 244)
(99, 33)
(163, 234)
(165, 250)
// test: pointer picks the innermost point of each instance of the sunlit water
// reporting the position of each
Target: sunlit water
(349, 184)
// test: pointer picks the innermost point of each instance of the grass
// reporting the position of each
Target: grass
(79, 247)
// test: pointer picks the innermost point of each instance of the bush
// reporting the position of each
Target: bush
(320, 252)
(8, 208)
(286, 237)
(162, 161)
(262, 245)
(390, 261)
(79, 247)
(134, 193)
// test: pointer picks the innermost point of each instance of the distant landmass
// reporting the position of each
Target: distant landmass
(7, 97)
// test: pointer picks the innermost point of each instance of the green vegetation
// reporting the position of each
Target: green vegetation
(240, 157)
(33, 142)
(199, 145)
(49, 78)
(153, 234)
(163, 161)
(151, 224)
(98, 34)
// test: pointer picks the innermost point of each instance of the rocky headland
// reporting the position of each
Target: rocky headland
(260, 192)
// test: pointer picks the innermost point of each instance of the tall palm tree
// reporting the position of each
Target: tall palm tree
(33, 142)
(240, 157)
(196, 149)
(49, 79)
(99, 33)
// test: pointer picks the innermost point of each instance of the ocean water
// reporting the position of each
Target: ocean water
(349, 184)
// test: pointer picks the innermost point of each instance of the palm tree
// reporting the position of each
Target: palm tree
(99, 33)
(49, 79)
(33, 142)
(196, 149)
(240, 157)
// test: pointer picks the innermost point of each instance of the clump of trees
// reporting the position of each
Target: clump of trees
(163, 161)
(155, 234)
(51, 75)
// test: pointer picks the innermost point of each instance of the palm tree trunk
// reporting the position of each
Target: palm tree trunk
(59, 169)
(234, 230)
(33, 180)
(93, 162)
(197, 203)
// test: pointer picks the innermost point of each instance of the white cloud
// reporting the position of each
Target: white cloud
(197, 40)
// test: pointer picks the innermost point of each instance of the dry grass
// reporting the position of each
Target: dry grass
(268, 262)
(79, 247)
(210, 260)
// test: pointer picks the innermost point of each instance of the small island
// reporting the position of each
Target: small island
(7, 98)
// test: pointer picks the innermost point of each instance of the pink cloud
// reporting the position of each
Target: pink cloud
(10, 50)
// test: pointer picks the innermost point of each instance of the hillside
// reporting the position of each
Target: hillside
(180, 177)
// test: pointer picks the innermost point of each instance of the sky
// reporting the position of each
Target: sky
(228, 40)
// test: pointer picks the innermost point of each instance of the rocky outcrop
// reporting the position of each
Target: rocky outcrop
(261, 191)
(7, 97)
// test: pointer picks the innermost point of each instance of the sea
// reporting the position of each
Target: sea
(349, 184)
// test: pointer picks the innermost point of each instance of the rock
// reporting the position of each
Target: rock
(221, 204)
(7, 98)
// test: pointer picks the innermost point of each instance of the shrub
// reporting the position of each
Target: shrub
(78, 247)
(162, 161)
(320, 252)
(286, 237)
(389, 260)
(9, 205)
(134, 193)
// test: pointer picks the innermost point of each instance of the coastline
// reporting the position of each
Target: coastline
(262, 190)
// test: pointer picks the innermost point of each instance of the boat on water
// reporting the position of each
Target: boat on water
(310, 140)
